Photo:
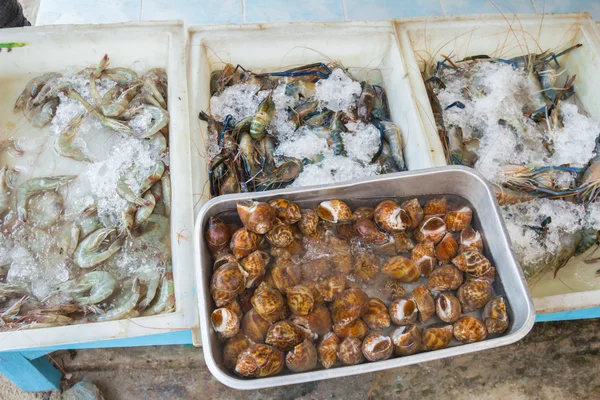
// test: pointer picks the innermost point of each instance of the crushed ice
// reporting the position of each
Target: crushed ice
(333, 169)
(36, 256)
(361, 142)
(498, 92)
(239, 101)
(337, 93)
(531, 246)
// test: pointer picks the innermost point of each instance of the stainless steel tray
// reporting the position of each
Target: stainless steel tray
(452, 181)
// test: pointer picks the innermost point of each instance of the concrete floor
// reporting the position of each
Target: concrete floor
(555, 361)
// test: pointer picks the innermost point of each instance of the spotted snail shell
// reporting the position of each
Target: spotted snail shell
(377, 346)
(257, 217)
(335, 211)
(259, 360)
(286, 211)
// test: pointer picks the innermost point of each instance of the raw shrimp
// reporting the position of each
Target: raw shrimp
(158, 231)
(262, 118)
(553, 261)
(35, 186)
(590, 237)
(96, 75)
(142, 213)
(243, 126)
(63, 144)
(160, 78)
(266, 148)
(506, 196)
(42, 116)
(156, 191)
(318, 119)
(291, 105)
(230, 184)
(386, 161)
(393, 136)
(107, 122)
(115, 107)
(128, 220)
(335, 136)
(125, 191)
(38, 321)
(154, 81)
(88, 221)
(166, 298)
(43, 217)
(153, 176)
(589, 190)
(10, 146)
(11, 312)
(151, 288)
(366, 102)
(62, 304)
(547, 77)
(299, 112)
(89, 254)
(91, 288)
(455, 145)
(102, 65)
(121, 76)
(32, 89)
(301, 88)
(160, 119)
(214, 126)
(281, 176)
(125, 307)
(158, 144)
(249, 156)
(381, 108)
(8, 290)
(45, 210)
(51, 91)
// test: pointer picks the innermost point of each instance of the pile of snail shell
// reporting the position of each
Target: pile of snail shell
(276, 307)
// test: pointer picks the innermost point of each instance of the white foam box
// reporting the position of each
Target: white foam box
(577, 286)
(55, 48)
(368, 49)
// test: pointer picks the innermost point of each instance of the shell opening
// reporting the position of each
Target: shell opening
(220, 319)
(329, 208)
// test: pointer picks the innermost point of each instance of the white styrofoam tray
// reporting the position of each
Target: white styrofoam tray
(363, 47)
(54, 48)
(507, 36)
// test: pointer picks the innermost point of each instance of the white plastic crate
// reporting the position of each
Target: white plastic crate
(54, 48)
(361, 46)
(510, 36)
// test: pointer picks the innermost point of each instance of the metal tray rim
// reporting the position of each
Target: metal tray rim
(250, 384)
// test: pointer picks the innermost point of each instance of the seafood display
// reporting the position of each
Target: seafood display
(518, 122)
(89, 239)
(296, 289)
(313, 124)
